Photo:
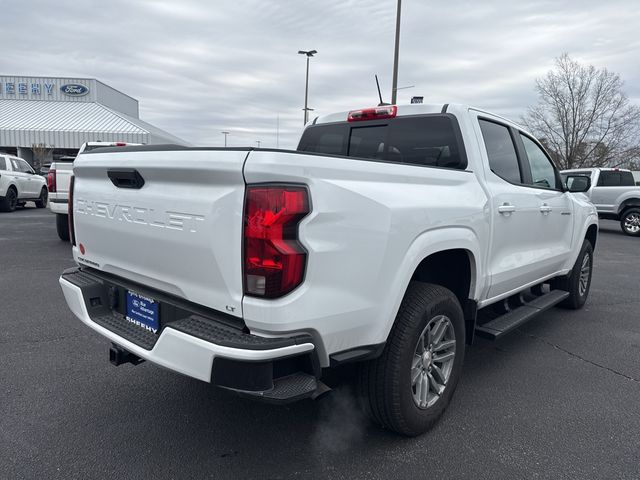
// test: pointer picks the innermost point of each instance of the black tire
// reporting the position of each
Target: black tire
(42, 200)
(578, 292)
(62, 225)
(630, 222)
(10, 200)
(385, 384)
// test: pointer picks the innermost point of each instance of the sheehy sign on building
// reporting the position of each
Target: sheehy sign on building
(40, 90)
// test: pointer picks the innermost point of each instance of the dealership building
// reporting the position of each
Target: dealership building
(55, 116)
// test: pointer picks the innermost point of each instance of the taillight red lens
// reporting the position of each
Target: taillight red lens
(274, 259)
(375, 113)
(72, 230)
(51, 181)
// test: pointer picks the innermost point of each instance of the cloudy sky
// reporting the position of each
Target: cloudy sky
(200, 67)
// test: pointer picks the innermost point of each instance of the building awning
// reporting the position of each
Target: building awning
(24, 123)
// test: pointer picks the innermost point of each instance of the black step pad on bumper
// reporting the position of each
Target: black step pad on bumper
(220, 334)
(288, 389)
(99, 291)
(516, 318)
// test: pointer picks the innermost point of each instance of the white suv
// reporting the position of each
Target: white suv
(20, 184)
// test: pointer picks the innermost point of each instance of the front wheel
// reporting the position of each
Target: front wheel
(410, 385)
(630, 222)
(62, 226)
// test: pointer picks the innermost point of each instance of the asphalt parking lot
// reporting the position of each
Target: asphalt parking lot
(558, 399)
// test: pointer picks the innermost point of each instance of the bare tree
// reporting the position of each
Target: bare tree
(40, 153)
(584, 118)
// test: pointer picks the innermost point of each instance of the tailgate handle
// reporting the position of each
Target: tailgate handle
(126, 178)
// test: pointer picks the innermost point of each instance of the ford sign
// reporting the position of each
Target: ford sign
(74, 89)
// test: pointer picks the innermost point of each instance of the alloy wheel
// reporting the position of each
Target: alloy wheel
(433, 361)
(632, 223)
(585, 274)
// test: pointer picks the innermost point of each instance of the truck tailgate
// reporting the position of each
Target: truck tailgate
(180, 232)
(63, 176)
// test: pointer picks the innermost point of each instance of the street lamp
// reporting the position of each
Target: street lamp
(225, 137)
(306, 109)
(396, 52)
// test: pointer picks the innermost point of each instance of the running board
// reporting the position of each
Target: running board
(515, 318)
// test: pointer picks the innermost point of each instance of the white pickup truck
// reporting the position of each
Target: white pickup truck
(58, 179)
(390, 238)
(615, 194)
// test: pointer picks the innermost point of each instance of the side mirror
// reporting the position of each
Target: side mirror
(577, 183)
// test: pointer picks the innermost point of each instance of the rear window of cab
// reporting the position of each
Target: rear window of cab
(426, 140)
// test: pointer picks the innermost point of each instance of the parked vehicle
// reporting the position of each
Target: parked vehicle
(390, 238)
(58, 178)
(20, 184)
(44, 170)
(615, 194)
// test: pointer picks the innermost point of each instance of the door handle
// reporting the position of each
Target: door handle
(506, 208)
(545, 209)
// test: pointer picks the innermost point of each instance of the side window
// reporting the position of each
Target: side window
(543, 174)
(3, 163)
(626, 179)
(24, 167)
(501, 151)
(14, 164)
(609, 179)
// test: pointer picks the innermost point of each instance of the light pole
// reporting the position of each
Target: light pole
(394, 88)
(306, 109)
(225, 137)
(258, 142)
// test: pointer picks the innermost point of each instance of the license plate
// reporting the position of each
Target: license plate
(143, 312)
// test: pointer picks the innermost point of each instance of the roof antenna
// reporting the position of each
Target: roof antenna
(379, 93)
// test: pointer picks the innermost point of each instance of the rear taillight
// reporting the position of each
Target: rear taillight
(72, 230)
(375, 113)
(51, 181)
(274, 259)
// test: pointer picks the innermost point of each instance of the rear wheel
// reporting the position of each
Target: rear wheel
(410, 385)
(42, 200)
(630, 222)
(62, 225)
(10, 200)
(578, 282)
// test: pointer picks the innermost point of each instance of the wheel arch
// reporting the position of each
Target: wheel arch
(592, 235)
(633, 202)
(453, 269)
(457, 249)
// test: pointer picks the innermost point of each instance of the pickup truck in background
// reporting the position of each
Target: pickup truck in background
(390, 237)
(58, 178)
(615, 194)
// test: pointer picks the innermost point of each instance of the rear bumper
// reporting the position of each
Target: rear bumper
(191, 342)
(58, 205)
